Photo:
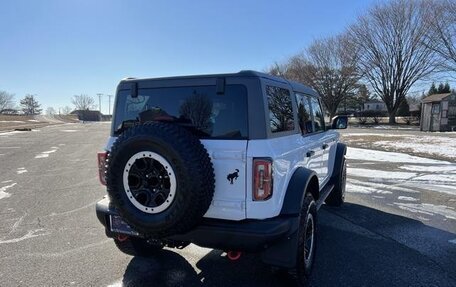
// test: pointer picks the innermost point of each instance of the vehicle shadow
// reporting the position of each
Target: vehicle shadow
(348, 254)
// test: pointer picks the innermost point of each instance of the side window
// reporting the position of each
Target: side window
(280, 109)
(304, 118)
(319, 120)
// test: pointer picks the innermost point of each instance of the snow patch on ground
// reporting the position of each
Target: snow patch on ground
(437, 178)
(3, 193)
(384, 156)
(68, 131)
(356, 188)
(432, 187)
(34, 121)
(407, 198)
(429, 209)
(6, 181)
(452, 241)
(381, 186)
(18, 122)
(434, 145)
(21, 170)
(373, 173)
(429, 168)
(391, 128)
(374, 134)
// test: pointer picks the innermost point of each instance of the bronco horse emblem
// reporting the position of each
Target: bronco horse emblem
(233, 176)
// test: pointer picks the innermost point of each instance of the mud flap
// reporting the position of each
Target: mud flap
(283, 253)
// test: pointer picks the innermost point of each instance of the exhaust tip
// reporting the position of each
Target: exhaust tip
(233, 255)
(122, 237)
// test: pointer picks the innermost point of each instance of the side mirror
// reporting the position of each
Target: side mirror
(339, 122)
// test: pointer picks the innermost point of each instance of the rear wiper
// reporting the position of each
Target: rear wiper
(125, 125)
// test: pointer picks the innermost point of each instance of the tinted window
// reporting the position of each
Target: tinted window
(216, 116)
(319, 120)
(280, 109)
(304, 118)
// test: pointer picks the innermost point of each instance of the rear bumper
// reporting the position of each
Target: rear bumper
(245, 235)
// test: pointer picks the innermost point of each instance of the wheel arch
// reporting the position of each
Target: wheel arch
(302, 181)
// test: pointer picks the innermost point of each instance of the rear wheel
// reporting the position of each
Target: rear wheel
(337, 196)
(136, 246)
(306, 241)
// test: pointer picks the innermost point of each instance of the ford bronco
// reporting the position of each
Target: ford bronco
(239, 162)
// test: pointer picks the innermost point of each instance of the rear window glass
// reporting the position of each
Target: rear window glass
(216, 116)
(280, 109)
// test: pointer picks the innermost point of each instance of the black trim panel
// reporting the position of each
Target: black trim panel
(245, 235)
(297, 186)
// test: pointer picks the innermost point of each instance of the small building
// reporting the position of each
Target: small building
(374, 105)
(87, 115)
(438, 113)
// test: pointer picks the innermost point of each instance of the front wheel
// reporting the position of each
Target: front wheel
(306, 241)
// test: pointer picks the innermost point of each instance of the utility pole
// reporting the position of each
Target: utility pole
(99, 101)
(109, 97)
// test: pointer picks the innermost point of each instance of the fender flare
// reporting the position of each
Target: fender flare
(303, 179)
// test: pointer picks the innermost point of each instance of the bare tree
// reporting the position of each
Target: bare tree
(394, 50)
(83, 102)
(65, 110)
(281, 111)
(30, 105)
(50, 111)
(442, 18)
(328, 66)
(198, 109)
(6, 100)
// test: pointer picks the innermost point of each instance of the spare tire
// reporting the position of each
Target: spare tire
(160, 179)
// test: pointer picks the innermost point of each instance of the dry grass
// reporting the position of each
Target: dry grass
(11, 122)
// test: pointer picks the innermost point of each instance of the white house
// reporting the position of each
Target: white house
(374, 105)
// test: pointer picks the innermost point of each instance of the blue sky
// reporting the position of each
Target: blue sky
(57, 49)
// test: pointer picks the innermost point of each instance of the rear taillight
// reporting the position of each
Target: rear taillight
(102, 157)
(262, 179)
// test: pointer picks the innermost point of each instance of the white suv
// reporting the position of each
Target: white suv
(239, 162)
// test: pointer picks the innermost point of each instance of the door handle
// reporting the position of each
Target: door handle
(325, 146)
(310, 153)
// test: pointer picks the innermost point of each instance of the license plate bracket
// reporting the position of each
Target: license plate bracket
(117, 225)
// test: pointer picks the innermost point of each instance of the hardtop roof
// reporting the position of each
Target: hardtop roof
(298, 87)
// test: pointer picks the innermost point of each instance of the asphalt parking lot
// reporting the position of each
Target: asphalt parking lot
(50, 236)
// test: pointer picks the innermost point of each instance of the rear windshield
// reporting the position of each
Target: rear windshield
(216, 116)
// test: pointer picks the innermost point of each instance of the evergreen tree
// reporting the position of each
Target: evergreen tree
(404, 109)
(447, 88)
(432, 90)
(440, 89)
(30, 105)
